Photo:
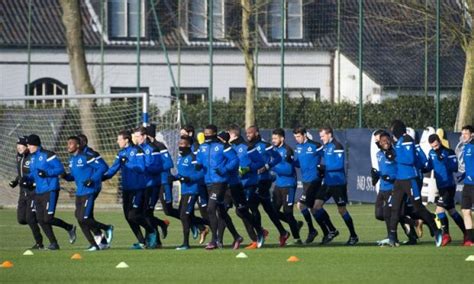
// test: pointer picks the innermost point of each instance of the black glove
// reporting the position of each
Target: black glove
(13, 183)
(198, 167)
(42, 173)
(171, 178)
(219, 172)
(386, 178)
(321, 169)
(123, 160)
(390, 155)
(88, 183)
(374, 173)
(184, 179)
(24, 182)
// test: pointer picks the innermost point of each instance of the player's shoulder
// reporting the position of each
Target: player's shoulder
(407, 139)
(288, 149)
(47, 153)
(337, 145)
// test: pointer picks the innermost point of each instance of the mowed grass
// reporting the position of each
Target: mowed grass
(336, 263)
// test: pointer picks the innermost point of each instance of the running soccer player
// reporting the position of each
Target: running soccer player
(468, 192)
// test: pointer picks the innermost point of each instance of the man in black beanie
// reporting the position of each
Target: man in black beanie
(406, 183)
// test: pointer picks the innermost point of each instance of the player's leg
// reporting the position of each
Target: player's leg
(339, 194)
(166, 196)
(82, 216)
(451, 208)
(466, 207)
(136, 215)
(263, 193)
(41, 201)
(127, 204)
(186, 208)
(321, 195)
(213, 190)
(243, 212)
(398, 193)
(305, 211)
(224, 219)
(53, 221)
(288, 195)
(32, 221)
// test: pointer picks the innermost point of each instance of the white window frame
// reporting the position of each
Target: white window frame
(285, 18)
(126, 18)
(206, 21)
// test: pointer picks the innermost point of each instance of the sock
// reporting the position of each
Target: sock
(469, 235)
(444, 222)
(350, 225)
(327, 220)
(319, 217)
(459, 221)
(307, 218)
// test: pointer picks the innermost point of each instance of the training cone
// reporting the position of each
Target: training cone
(470, 258)
(7, 264)
(76, 256)
(293, 259)
(122, 265)
(241, 255)
(28, 252)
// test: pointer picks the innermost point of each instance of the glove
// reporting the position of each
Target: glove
(375, 176)
(42, 173)
(123, 160)
(13, 183)
(24, 182)
(390, 155)
(171, 178)
(321, 169)
(198, 167)
(219, 172)
(88, 183)
(243, 171)
(184, 179)
(386, 178)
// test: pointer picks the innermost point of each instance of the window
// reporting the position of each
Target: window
(46, 87)
(123, 18)
(293, 17)
(198, 19)
(273, 93)
(191, 96)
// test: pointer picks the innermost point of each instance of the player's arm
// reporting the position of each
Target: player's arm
(336, 161)
(285, 167)
(406, 153)
(231, 160)
(154, 165)
(55, 167)
(197, 173)
(138, 164)
(116, 165)
(452, 161)
(167, 162)
(256, 159)
(275, 157)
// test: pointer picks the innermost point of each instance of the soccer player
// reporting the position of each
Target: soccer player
(45, 169)
(467, 134)
(130, 161)
(468, 192)
(406, 184)
(211, 156)
(285, 183)
(25, 211)
(265, 180)
(335, 179)
(99, 236)
(444, 163)
(87, 173)
(153, 169)
(308, 154)
(189, 174)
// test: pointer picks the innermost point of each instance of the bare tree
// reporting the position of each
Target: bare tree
(72, 22)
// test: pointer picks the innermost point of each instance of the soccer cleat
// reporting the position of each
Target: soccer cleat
(383, 242)
(393, 243)
(237, 242)
(138, 246)
(164, 228)
(194, 231)
(109, 234)
(53, 246)
(152, 240)
(211, 246)
(311, 236)
(261, 239)
(468, 243)
(419, 228)
(353, 240)
(446, 240)
(93, 248)
(38, 246)
(203, 235)
(252, 245)
(438, 235)
(220, 244)
(329, 237)
(72, 234)
(183, 247)
(284, 238)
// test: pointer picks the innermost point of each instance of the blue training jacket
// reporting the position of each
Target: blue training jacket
(83, 167)
(166, 161)
(334, 158)
(269, 155)
(405, 156)
(469, 163)
(133, 171)
(444, 165)
(212, 156)
(285, 170)
(103, 165)
(187, 167)
(250, 158)
(47, 161)
(153, 164)
(386, 168)
(307, 157)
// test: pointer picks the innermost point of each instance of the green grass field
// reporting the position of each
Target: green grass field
(332, 263)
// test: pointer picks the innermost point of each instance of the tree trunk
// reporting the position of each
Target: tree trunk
(71, 19)
(247, 50)
(466, 104)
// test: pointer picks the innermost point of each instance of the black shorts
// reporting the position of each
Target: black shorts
(238, 195)
(263, 189)
(338, 193)
(311, 192)
(217, 192)
(84, 207)
(284, 196)
(467, 196)
(446, 197)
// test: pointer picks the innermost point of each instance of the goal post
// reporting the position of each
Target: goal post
(55, 118)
